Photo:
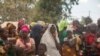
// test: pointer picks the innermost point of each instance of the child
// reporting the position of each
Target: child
(42, 50)
(68, 48)
(98, 42)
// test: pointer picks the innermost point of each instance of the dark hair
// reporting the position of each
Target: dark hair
(52, 29)
(98, 22)
(8, 24)
(41, 44)
(92, 28)
(69, 31)
(98, 33)
(19, 51)
(76, 21)
(2, 30)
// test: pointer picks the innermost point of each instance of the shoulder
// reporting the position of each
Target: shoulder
(19, 39)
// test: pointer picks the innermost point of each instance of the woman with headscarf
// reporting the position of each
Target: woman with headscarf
(21, 22)
(51, 40)
(25, 42)
(36, 33)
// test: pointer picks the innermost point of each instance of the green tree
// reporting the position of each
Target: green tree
(86, 20)
(52, 10)
(33, 10)
(15, 9)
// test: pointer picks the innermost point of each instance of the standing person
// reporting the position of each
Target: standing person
(98, 24)
(4, 35)
(90, 39)
(36, 33)
(62, 35)
(25, 42)
(77, 27)
(12, 34)
(71, 45)
(51, 40)
(62, 26)
(21, 22)
(11, 30)
(3, 42)
(42, 50)
(7, 45)
(78, 30)
(98, 42)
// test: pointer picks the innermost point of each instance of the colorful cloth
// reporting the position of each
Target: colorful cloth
(32, 24)
(63, 23)
(62, 35)
(42, 23)
(67, 51)
(25, 28)
(90, 39)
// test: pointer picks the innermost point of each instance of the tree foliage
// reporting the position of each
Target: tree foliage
(86, 20)
(54, 9)
(15, 9)
(46, 10)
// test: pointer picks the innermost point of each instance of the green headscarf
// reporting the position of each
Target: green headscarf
(63, 23)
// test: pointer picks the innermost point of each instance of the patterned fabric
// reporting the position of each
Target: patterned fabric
(67, 51)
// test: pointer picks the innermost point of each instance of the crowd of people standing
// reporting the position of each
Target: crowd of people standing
(50, 39)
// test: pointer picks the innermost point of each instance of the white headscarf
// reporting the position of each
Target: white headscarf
(48, 40)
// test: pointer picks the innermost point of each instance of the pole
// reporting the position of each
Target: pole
(89, 13)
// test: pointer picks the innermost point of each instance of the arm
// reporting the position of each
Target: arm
(32, 49)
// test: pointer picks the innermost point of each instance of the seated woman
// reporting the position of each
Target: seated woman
(25, 42)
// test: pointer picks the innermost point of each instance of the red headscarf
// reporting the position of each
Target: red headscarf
(25, 28)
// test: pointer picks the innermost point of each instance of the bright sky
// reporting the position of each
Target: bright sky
(85, 6)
